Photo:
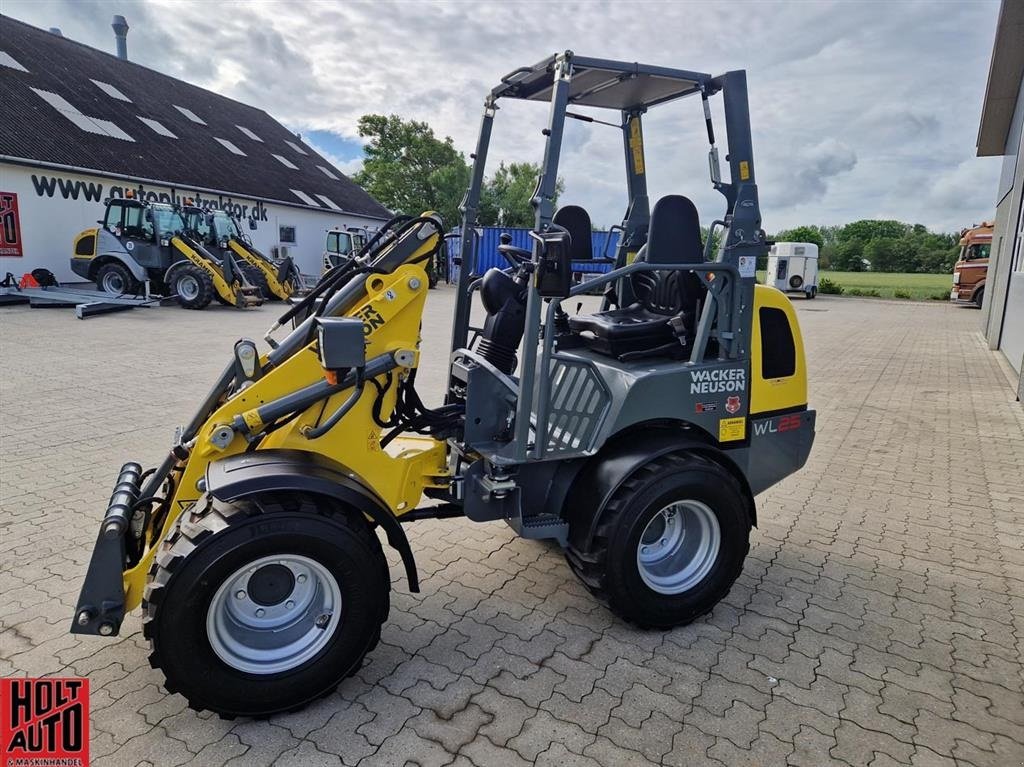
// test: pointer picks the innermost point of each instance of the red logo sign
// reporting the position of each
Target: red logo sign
(10, 225)
(44, 722)
(732, 404)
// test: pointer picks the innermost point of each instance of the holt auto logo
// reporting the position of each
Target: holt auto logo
(44, 722)
(732, 404)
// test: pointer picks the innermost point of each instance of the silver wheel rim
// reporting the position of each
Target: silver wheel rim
(113, 283)
(678, 547)
(254, 631)
(188, 287)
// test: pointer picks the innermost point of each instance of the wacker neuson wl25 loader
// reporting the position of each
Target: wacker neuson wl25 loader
(637, 436)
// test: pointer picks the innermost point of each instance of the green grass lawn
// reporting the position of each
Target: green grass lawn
(919, 286)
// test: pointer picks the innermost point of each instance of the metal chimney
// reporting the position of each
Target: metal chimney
(120, 27)
(56, 31)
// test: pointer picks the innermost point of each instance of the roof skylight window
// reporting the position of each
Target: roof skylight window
(110, 90)
(190, 115)
(157, 127)
(305, 198)
(230, 147)
(286, 163)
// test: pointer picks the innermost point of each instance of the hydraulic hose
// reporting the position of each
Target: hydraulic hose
(319, 431)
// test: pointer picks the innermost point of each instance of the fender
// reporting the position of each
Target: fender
(622, 455)
(108, 246)
(247, 474)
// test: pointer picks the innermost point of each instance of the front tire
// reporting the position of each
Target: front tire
(979, 297)
(258, 607)
(669, 544)
(194, 287)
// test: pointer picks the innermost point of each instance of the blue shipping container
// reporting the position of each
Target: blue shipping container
(489, 238)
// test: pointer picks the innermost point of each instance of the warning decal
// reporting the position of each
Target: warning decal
(732, 429)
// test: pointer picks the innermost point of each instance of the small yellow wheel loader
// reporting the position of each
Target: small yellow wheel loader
(139, 242)
(636, 437)
(218, 231)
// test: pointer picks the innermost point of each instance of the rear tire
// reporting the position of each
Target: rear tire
(256, 278)
(194, 287)
(263, 606)
(656, 572)
(114, 277)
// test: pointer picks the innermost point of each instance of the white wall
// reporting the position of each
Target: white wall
(55, 206)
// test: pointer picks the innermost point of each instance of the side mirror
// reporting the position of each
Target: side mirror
(554, 271)
(149, 215)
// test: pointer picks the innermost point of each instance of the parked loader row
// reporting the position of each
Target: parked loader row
(183, 250)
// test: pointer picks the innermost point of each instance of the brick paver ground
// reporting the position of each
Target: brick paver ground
(879, 618)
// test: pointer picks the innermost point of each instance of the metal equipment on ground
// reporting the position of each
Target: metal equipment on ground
(139, 242)
(86, 303)
(636, 437)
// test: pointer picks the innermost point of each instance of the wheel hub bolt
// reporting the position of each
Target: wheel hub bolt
(240, 594)
(260, 612)
(301, 578)
(645, 549)
(323, 620)
(289, 604)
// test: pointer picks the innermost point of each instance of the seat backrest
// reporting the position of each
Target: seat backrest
(576, 221)
(673, 237)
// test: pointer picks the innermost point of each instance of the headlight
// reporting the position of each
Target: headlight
(956, 278)
(164, 241)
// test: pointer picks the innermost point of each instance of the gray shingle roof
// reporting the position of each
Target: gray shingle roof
(39, 127)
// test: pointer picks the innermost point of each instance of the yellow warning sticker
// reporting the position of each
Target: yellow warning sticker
(636, 145)
(731, 429)
(744, 170)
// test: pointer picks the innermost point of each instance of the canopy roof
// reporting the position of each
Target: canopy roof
(603, 83)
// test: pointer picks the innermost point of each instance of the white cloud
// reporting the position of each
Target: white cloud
(858, 109)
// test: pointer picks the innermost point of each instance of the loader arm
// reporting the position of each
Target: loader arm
(277, 411)
(283, 289)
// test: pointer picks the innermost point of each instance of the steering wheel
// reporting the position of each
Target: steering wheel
(515, 256)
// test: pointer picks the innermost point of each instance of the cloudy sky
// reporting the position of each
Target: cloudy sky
(859, 109)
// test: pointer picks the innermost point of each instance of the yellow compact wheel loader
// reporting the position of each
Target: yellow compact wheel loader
(219, 232)
(637, 437)
(139, 242)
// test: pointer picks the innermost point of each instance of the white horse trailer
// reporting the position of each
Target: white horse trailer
(793, 268)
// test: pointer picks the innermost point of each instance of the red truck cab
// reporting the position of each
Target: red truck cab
(972, 266)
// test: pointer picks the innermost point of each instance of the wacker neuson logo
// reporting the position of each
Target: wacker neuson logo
(719, 380)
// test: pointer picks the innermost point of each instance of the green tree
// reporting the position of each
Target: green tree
(810, 234)
(869, 229)
(884, 254)
(506, 197)
(409, 170)
(847, 256)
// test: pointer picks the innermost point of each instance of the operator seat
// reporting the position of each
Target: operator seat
(642, 329)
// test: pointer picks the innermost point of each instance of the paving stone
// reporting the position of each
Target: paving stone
(878, 619)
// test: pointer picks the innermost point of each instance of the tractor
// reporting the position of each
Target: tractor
(140, 244)
(218, 231)
(636, 436)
